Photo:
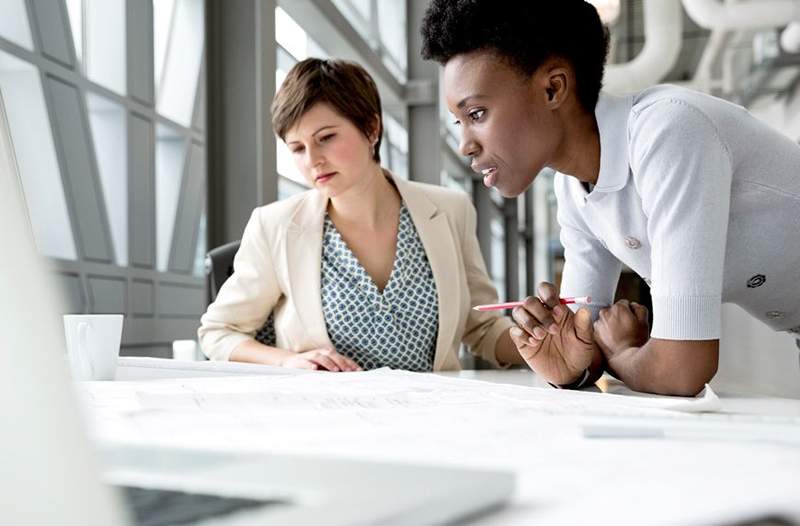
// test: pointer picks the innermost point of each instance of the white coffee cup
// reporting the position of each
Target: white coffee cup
(93, 344)
(184, 350)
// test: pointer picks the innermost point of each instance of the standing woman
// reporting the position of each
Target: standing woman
(364, 270)
(693, 193)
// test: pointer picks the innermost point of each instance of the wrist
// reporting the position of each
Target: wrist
(580, 381)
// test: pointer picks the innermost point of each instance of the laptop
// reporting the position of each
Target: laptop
(52, 474)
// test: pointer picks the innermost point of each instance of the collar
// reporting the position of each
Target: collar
(612, 114)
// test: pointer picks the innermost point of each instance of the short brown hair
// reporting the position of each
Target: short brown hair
(344, 85)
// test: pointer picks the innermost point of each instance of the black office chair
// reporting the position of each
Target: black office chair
(219, 267)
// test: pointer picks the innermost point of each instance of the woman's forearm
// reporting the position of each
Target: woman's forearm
(252, 351)
(667, 367)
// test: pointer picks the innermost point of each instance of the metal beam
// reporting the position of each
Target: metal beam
(241, 62)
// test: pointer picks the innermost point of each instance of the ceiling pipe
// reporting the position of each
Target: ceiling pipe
(663, 30)
(750, 14)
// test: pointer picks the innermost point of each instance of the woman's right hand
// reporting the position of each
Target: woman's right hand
(325, 359)
(554, 342)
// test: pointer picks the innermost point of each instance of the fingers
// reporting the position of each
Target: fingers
(324, 362)
(527, 346)
(641, 312)
(548, 294)
(342, 362)
(540, 313)
(584, 329)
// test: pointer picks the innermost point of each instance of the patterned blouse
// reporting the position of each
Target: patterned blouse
(395, 328)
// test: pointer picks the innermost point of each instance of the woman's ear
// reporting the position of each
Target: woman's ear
(375, 130)
(556, 83)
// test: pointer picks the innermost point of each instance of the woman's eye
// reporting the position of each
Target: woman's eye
(475, 115)
(327, 137)
(297, 150)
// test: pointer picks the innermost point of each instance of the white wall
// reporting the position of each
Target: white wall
(753, 357)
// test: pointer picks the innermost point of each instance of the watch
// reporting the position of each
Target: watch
(577, 384)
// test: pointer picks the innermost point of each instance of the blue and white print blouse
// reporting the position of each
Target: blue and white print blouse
(395, 328)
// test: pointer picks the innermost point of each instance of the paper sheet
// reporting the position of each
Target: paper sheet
(406, 417)
(268, 411)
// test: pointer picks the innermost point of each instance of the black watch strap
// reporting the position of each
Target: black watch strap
(577, 384)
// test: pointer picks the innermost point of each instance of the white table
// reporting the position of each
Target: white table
(690, 479)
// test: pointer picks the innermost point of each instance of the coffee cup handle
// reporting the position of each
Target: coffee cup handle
(83, 352)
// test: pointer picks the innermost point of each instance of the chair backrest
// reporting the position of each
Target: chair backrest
(219, 267)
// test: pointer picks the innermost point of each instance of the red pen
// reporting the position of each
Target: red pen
(503, 306)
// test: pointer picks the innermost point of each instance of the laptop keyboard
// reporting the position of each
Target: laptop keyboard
(160, 507)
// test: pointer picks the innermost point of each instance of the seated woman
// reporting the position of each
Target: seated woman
(365, 270)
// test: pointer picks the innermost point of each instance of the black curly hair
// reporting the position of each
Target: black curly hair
(523, 32)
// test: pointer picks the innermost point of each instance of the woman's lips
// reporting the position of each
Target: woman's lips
(489, 177)
(324, 178)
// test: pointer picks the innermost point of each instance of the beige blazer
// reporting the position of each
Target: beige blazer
(278, 266)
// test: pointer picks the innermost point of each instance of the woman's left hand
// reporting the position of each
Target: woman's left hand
(622, 326)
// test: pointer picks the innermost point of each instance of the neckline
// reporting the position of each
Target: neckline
(362, 275)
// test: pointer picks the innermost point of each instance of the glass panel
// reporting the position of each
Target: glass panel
(315, 50)
(358, 13)
(396, 133)
(38, 165)
(392, 32)
(290, 35)
(498, 270)
(104, 56)
(75, 13)
(170, 162)
(199, 269)
(183, 53)
(522, 266)
(109, 131)
(14, 23)
(288, 188)
(285, 63)
(399, 165)
(162, 21)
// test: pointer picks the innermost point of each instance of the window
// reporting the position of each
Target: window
(199, 267)
(99, 35)
(178, 32)
(383, 26)
(109, 132)
(14, 23)
(22, 93)
(171, 151)
(394, 149)
(498, 270)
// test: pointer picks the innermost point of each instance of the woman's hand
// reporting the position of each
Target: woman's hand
(553, 341)
(622, 326)
(325, 359)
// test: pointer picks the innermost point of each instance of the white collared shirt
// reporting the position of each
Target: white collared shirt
(699, 198)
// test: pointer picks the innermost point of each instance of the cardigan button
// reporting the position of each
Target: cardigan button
(632, 243)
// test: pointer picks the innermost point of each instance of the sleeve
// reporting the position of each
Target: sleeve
(245, 300)
(683, 172)
(589, 268)
(482, 328)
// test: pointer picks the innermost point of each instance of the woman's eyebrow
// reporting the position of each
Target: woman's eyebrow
(467, 99)
(316, 132)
